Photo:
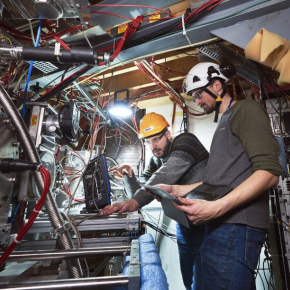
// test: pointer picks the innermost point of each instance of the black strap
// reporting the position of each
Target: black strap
(217, 109)
(218, 102)
(210, 93)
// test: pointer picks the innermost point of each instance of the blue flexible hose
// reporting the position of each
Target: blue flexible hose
(30, 69)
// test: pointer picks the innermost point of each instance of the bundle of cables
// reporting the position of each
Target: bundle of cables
(131, 29)
(18, 238)
(269, 85)
(175, 24)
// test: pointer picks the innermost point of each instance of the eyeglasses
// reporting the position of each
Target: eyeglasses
(155, 140)
(197, 95)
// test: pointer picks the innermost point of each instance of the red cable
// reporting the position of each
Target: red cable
(24, 230)
(207, 6)
(94, 131)
(171, 71)
(130, 30)
(67, 191)
(143, 69)
(134, 122)
(132, 27)
(63, 44)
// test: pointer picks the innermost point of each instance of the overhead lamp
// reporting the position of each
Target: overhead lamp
(121, 108)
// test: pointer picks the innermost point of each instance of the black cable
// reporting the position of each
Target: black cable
(10, 92)
(258, 273)
(264, 272)
(159, 230)
(62, 77)
(62, 85)
(267, 79)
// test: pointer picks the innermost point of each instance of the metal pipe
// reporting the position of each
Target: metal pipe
(25, 26)
(74, 267)
(68, 254)
(102, 283)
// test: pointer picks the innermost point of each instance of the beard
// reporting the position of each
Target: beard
(208, 109)
(162, 153)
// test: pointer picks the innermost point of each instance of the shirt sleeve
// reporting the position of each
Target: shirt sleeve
(131, 184)
(186, 150)
(251, 124)
(151, 167)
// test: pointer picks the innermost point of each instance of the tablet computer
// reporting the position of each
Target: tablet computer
(208, 192)
(168, 207)
(162, 193)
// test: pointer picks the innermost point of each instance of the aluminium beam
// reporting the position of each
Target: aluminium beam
(93, 102)
(277, 22)
(102, 283)
(125, 222)
(97, 243)
(67, 254)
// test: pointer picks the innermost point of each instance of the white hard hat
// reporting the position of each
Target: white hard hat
(201, 74)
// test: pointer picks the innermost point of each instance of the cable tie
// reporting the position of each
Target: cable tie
(37, 211)
(15, 240)
(57, 49)
(183, 29)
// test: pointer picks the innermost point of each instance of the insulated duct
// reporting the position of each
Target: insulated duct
(74, 267)
(55, 55)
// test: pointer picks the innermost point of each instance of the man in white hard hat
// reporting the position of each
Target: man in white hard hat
(244, 156)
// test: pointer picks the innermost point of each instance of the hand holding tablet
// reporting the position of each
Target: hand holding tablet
(162, 193)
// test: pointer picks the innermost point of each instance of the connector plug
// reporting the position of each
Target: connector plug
(8, 165)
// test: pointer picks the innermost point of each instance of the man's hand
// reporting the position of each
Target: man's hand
(200, 211)
(120, 207)
(169, 188)
(120, 170)
(155, 196)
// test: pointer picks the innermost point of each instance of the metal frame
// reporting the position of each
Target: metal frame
(228, 13)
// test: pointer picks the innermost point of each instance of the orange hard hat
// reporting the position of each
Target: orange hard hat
(152, 124)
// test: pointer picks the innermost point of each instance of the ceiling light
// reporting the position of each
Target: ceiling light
(122, 108)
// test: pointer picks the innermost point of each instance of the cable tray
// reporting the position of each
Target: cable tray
(223, 54)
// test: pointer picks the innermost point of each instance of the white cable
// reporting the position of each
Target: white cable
(15, 240)
(184, 30)
(126, 124)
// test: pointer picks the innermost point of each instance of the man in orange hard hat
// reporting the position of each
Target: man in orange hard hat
(179, 160)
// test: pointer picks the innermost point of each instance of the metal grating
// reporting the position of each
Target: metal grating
(222, 53)
(45, 67)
